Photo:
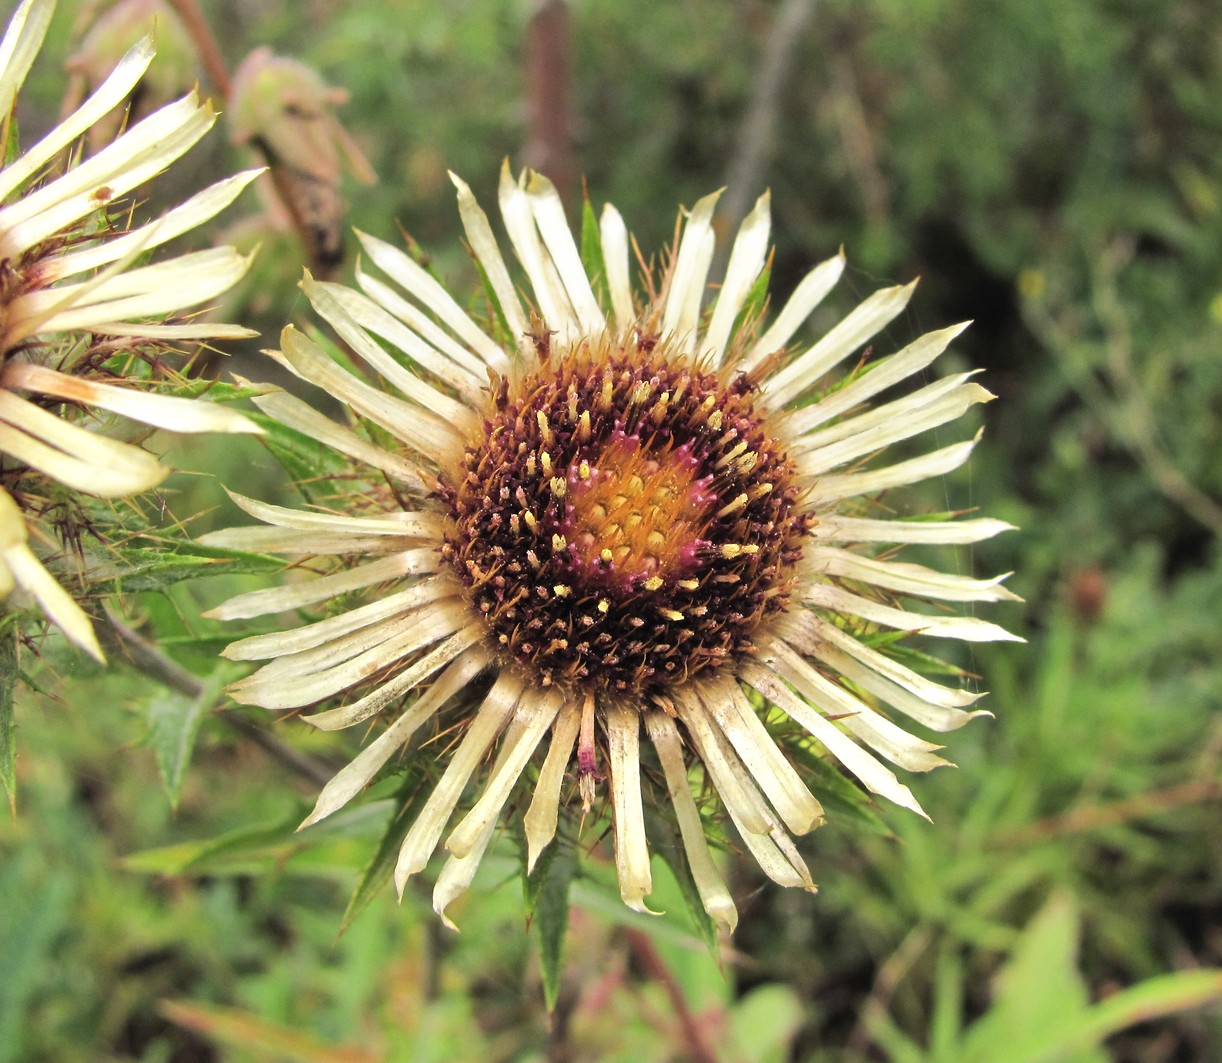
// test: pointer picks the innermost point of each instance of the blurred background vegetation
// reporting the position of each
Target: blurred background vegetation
(1051, 169)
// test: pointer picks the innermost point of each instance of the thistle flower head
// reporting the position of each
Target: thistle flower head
(72, 302)
(629, 515)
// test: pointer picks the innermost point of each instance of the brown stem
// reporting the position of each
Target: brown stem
(146, 658)
(205, 43)
(1097, 817)
(547, 58)
(647, 955)
(755, 135)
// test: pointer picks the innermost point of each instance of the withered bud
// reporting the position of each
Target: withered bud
(285, 109)
(172, 73)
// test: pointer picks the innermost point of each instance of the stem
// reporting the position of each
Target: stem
(218, 73)
(1098, 817)
(755, 135)
(647, 955)
(147, 659)
(547, 56)
(205, 43)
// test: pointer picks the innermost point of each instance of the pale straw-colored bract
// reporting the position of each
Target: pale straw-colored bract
(417, 643)
(70, 281)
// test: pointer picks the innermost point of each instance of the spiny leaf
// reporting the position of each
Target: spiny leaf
(667, 845)
(215, 854)
(547, 903)
(839, 795)
(217, 390)
(326, 848)
(500, 323)
(174, 721)
(376, 875)
(139, 568)
(757, 298)
(12, 148)
(306, 460)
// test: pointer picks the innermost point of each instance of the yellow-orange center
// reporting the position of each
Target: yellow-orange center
(634, 515)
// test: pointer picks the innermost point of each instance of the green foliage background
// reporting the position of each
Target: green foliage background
(1052, 169)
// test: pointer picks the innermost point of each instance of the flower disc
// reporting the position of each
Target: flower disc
(624, 519)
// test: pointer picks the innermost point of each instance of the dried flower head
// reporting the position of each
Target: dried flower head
(631, 513)
(284, 109)
(112, 35)
(73, 306)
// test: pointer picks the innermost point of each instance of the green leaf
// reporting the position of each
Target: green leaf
(547, 904)
(8, 728)
(592, 252)
(843, 799)
(1040, 996)
(305, 460)
(1155, 997)
(667, 845)
(376, 874)
(753, 305)
(174, 721)
(1042, 1012)
(765, 1022)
